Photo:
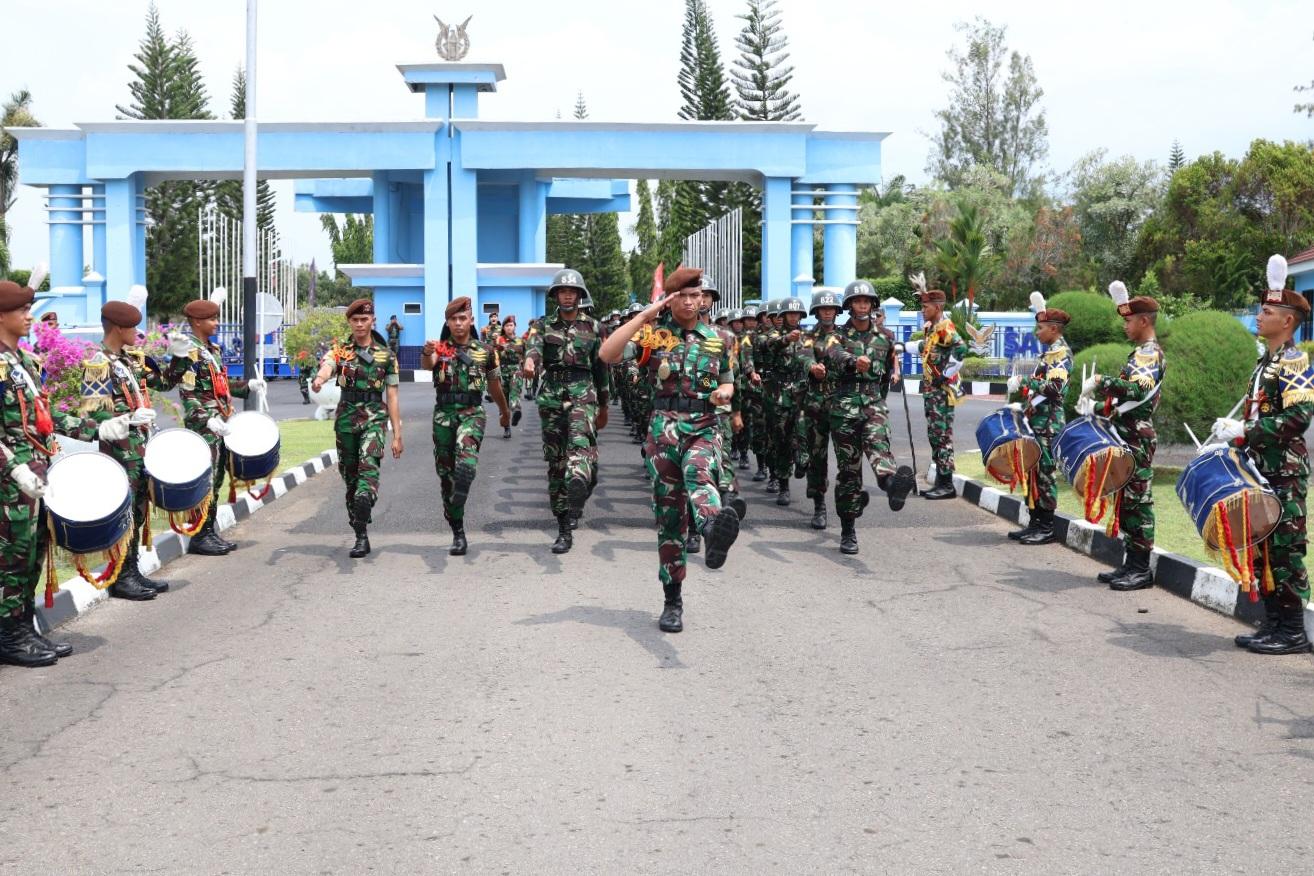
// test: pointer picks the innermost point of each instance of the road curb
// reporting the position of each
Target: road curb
(1206, 586)
(76, 597)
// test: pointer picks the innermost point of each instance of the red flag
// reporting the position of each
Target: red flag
(658, 279)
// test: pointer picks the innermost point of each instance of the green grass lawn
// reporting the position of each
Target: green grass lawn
(1173, 529)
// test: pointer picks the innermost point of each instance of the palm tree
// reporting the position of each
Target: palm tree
(15, 113)
(973, 255)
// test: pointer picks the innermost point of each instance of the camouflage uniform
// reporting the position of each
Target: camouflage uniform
(511, 356)
(1136, 389)
(813, 430)
(394, 337)
(748, 396)
(360, 422)
(859, 416)
(460, 380)
(565, 352)
(1043, 395)
(785, 391)
(726, 477)
(943, 352)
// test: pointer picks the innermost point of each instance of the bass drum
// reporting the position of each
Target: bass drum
(180, 469)
(253, 444)
(89, 502)
(1003, 438)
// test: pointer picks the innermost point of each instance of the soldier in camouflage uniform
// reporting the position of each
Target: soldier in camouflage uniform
(511, 355)
(744, 372)
(572, 403)
(27, 433)
(394, 336)
(812, 433)
(727, 414)
(366, 373)
(116, 380)
(753, 403)
(1042, 400)
(943, 352)
(786, 382)
(1130, 400)
(692, 374)
(766, 361)
(859, 357)
(196, 368)
(1278, 408)
(464, 368)
(639, 391)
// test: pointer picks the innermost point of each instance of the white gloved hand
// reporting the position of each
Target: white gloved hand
(1085, 406)
(179, 345)
(27, 480)
(1228, 430)
(1088, 387)
(1014, 384)
(115, 429)
(1015, 406)
(141, 417)
(217, 426)
(256, 384)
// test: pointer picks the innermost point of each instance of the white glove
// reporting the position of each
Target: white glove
(141, 417)
(256, 384)
(1228, 430)
(1014, 384)
(179, 345)
(1085, 406)
(1088, 387)
(115, 429)
(217, 426)
(1015, 406)
(31, 485)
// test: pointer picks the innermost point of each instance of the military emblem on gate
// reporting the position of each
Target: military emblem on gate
(453, 42)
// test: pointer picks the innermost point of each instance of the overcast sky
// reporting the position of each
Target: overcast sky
(1126, 76)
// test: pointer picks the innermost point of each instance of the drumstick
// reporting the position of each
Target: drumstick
(1192, 434)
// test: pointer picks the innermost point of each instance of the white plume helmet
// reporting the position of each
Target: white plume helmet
(918, 281)
(137, 296)
(1037, 302)
(219, 295)
(1277, 272)
(42, 270)
(1118, 292)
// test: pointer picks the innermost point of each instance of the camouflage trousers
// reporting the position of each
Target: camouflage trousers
(755, 422)
(1283, 552)
(570, 446)
(681, 464)
(513, 386)
(360, 453)
(1136, 500)
(726, 478)
(782, 425)
(458, 433)
(812, 436)
(1044, 477)
(23, 540)
(940, 428)
(858, 438)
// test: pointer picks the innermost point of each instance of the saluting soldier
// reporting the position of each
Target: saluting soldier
(464, 368)
(572, 402)
(1043, 394)
(692, 377)
(1130, 400)
(366, 373)
(943, 352)
(860, 357)
(511, 358)
(812, 435)
(196, 367)
(1278, 408)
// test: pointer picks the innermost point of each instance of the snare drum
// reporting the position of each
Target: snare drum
(89, 502)
(253, 445)
(1003, 437)
(179, 468)
(1094, 440)
(1224, 481)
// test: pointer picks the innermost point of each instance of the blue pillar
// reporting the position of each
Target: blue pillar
(120, 238)
(464, 212)
(65, 236)
(532, 239)
(800, 267)
(385, 211)
(776, 238)
(465, 101)
(436, 255)
(841, 235)
(98, 230)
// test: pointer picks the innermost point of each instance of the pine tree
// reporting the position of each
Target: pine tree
(581, 108)
(608, 280)
(228, 194)
(644, 257)
(760, 73)
(1176, 158)
(151, 89)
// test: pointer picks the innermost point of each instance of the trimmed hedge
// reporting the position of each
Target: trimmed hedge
(1108, 359)
(1095, 319)
(1210, 357)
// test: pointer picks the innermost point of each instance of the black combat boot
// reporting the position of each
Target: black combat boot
(720, 532)
(1271, 617)
(515, 417)
(130, 586)
(61, 649)
(743, 460)
(565, 541)
(577, 493)
(818, 512)
(1044, 531)
(1113, 574)
(732, 500)
(773, 485)
(506, 432)
(134, 561)
(305, 396)
(1138, 575)
(462, 478)
(782, 497)
(459, 545)
(19, 645)
(1017, 534)
(897, 486)
(761, 473)
(1288, 636)
(693, 544)
(362, 546)
(205, 543)
(944, 487)
(800, 468)
(848, 535)
(672, 619)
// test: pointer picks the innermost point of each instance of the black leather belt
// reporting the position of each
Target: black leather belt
(862, 387)
(568, 372)
(464, 399)
(683, 404)
(352, 395)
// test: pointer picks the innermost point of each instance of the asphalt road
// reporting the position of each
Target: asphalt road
(945, 701)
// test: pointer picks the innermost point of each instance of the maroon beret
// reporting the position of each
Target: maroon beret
(1287, 298)
(682, 278)
(1053, 314)
(458, 305)
(201, 308)
(50, 316)
(1139, 304)
(14, 296)
(359, 307)
(932, 296)
(121, 314)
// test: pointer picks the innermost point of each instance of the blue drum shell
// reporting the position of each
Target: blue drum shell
(256, 468)
(93, 536)
(180, 497)
(1220, 475)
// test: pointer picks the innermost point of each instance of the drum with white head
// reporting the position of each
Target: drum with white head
(180, 469)
(253, 444)
(89, 502)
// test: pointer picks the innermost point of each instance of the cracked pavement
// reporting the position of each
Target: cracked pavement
(945, 701)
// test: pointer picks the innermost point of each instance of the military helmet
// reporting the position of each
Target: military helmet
(750, 311)
(858, 289)
(569, 279)
(585, 300)
(720, 313)
(635, 309)
(824, 298)
(793, 305)
(771, 308)
(709, 288)
(735, 314)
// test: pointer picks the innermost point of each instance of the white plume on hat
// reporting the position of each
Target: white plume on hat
(1037, 302)
(1277, 272)
(219, 295)
(137, 296)
(42, 270)
(918, 281)
(1118, 292)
